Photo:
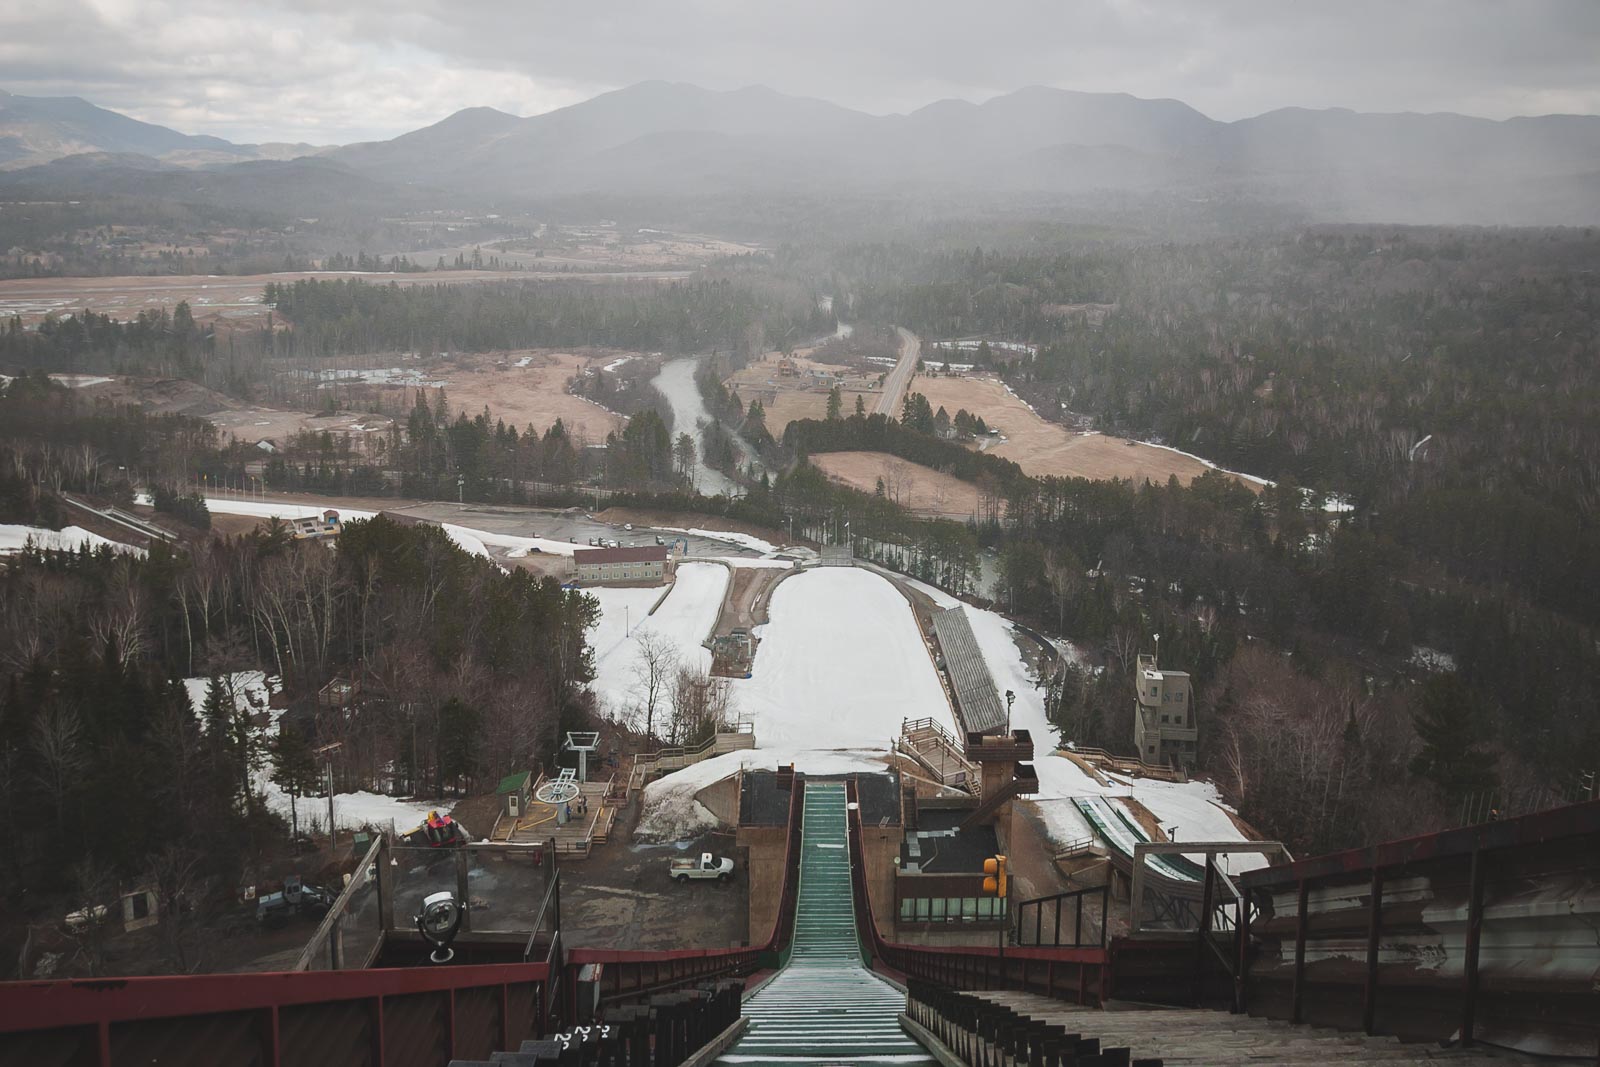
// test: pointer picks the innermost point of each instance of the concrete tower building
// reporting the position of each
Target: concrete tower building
(1163, 715)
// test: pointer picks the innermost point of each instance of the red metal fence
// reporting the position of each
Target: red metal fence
(389, 1017)
(382, 1018)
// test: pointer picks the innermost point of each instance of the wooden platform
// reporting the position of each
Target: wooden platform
(1194, 1036)
(939, 753)
(541, 822)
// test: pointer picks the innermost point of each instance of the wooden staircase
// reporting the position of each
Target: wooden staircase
(1024, 782)
(939, 753)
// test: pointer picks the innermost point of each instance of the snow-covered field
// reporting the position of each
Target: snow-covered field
(67, 539)
(841, 664)
(78, 381)
(269, 509)
(669, 811)
(477, 542)
(755, 544)
(685, 618)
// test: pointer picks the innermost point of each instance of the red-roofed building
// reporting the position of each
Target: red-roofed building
(652, 563)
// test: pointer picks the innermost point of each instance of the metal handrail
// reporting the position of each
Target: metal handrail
(1075, 895)
(325, 929)
(552, 893)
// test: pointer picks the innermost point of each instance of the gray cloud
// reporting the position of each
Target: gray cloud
(307, 70)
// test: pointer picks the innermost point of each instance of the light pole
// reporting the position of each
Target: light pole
(1011, 698)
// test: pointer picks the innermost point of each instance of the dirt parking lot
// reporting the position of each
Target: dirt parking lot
(620, 897)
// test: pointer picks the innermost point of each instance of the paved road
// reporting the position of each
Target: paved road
(895, 385)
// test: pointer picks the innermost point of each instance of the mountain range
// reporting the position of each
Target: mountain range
(661, 139)
(40, 129)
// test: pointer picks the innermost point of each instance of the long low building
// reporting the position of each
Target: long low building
(651, 563)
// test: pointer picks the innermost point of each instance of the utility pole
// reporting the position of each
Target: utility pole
(333, 836)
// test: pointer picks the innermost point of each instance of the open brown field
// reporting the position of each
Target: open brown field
(1046, 448)
(803, 395)
(248, 422)
(915, 487)
(534, 394)
(231, 297)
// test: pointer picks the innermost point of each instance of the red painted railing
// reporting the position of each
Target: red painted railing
(1076, 974)
(392, 1016)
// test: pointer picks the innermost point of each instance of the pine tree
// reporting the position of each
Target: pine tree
(293, 769)
(836, 404)
(1451, 729)
(861, 406)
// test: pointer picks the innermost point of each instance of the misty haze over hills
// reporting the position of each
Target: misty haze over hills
(660, 139)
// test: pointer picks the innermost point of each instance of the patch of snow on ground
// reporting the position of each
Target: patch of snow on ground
(252, 690)
(755, 544)
(1195, 810)
(466, 540)
(384, 376)
(474, 541)
(1208, 463)
(614, 364)
(278, 509)
(78, 381)
(685, 618)
(67, 539)
(1018, 398)
(523, 362)
(971, 345)
(841, 663)
(669, 812)
(1431, 659)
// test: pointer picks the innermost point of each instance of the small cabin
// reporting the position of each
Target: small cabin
(515, 793)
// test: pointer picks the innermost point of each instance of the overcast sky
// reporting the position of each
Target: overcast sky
(333, 71)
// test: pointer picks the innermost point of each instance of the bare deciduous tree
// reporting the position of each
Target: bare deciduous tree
(700, 704)
(653, 669)
(58, 743)
(182, 889)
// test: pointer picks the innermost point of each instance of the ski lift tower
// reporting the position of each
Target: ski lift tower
(583, 743)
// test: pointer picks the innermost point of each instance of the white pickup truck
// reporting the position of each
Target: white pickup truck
(707, 866)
